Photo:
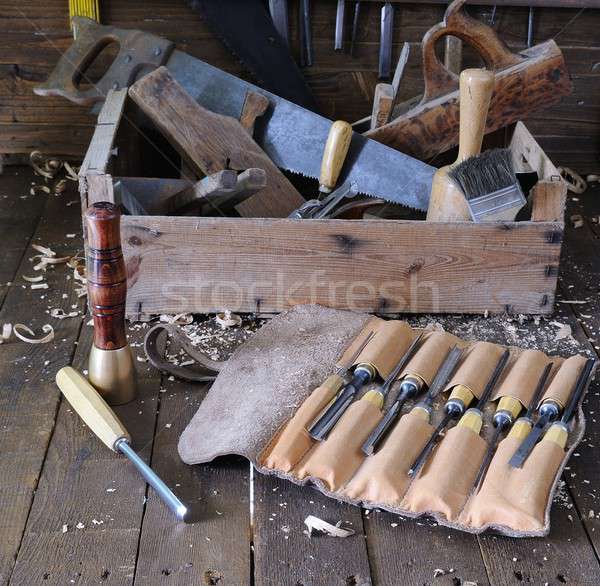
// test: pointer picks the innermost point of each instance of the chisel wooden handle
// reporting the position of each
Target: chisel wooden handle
(106, 275)
(91, 407)
(334, 154)
(476, 87)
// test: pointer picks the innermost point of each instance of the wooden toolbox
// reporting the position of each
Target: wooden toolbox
(206, 264)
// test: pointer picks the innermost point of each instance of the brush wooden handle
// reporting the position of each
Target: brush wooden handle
(91, 407)
(447, 202)
(476, 87)
(334, 154)
(106, 275)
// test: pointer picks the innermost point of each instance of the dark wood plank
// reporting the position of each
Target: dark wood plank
(29, 397)
(19, 215)
(84, 482)
(284, 554)
(215, 549)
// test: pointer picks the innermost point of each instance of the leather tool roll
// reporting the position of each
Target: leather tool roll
(512, 501)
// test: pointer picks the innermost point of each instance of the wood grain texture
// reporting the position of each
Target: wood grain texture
(211, 142)
(376, 265)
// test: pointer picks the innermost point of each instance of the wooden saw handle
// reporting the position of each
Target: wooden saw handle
(106, 275)
(334, 154)
(496, 55)
(91, 407)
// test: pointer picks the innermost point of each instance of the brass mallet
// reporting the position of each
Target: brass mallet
(111, 369)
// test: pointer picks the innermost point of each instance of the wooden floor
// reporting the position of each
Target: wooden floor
(71, 512)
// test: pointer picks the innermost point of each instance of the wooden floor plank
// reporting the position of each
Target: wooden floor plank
(28, 395)
(85, 519)
(19, 215)
(216, 549)
(284, 554)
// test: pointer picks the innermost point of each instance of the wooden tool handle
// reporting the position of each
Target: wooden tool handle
(495, 54)
(476, 87)
(106, 275)
(334, 154)
(91, 407)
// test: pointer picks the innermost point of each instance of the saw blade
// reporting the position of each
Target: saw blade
(294, 137)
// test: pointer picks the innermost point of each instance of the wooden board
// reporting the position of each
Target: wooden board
(205, 264)
(211, 142)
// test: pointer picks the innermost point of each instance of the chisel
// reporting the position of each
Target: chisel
(279, 14)
(385, 40)
(503, 419)
(558, 432)
(530, 28)
(364, 373)
(407, 391)
(101, 419)
(354, 36)
(306, 49)
(548, 412)
(340, 16)
(455, 407)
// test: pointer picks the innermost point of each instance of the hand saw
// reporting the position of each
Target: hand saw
(292, 136)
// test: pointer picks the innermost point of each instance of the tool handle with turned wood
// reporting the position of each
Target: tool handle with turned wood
(334, 154)
(106, 275)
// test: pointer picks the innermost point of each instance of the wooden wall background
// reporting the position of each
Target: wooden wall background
(33, 33)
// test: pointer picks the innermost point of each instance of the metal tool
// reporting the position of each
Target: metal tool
(316, 209)
(279, 13)
(258, 41)
(354, 35)
(340, 16)
(455, 407)
(407, 391)
(101, 419)
(503, 419)
(364, 373)
(558, 432)
(530, 28)
(289, 134)
(306, 47)
(490, 186)
(111, 369)
(385, 40)
(548, 412)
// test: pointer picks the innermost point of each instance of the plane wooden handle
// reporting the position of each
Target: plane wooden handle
(106, 275)
(334, 154)
(476, 87)
(91, 407)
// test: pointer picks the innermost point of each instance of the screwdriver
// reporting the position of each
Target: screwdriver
(101, 419)
(364, 373)
(548, 412)
(503, 419)
(558, 432)
(407, 391)
(455, 407)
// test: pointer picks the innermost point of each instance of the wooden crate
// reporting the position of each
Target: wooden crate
(201, 264)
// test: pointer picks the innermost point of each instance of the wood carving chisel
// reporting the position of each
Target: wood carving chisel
(340, 16)
(407, 391)
(364, 373)
(306, 48)
(503, 419)
(558, 432)
(279, 14)
(530, 28)
(101, 419)
(354, 35)
(455, 407)
(548, 412)
(385, 40)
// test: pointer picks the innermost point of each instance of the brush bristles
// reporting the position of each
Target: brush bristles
(485, 173)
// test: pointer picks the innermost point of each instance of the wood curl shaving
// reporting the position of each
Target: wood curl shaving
(6, 333)
(181, 319)
(33, 279)
(49, 169)
(47, 329)
(315, 524)
(59, 313)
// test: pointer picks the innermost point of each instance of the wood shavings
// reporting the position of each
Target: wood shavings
(47, 329)
(59, 313)
(44, 250)
(564, 331)
(35, 188)
(181, 319)
(226, 319)
(39, 285)
(315, 524)
(576, 220)
(71, 171)
(49, 169)
(6, 333)
(33, 279)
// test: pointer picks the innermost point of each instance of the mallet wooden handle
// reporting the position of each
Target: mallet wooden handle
(334, 154)
(91, 407)
(106, 275)
(476, 87)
